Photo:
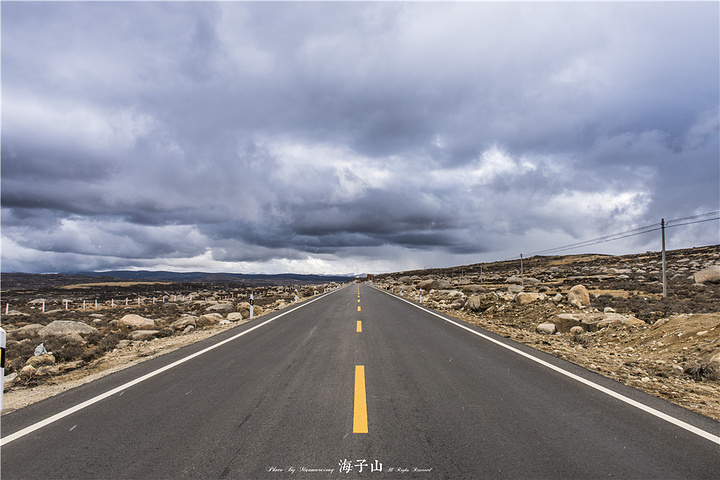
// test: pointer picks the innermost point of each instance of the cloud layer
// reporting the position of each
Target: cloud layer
(349, 137)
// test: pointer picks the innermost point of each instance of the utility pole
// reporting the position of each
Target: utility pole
(664, 270)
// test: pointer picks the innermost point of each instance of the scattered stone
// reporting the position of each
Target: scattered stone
(136, 322)
(140, 335)
(47, 370)
(9, 380)
(234, 316)
(524, 298)
(480, 303)
(564, 322)
(188, 329)
(40, 360)
(577, 330)
(67, 329)
(546, 328)
(579, 297)
(27, 372)
(184, 321)
(209, 319)
(220, 307)
(708, 275)
(473, 289)
(26, 331)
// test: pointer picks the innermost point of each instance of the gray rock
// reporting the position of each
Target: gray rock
(220, 307)
(209, 319)
(525, 298)
(473, 288)
(708, 275)
(67, 329)
(26, 331)
(136, 322)
(139, 335)
(184, 321)
(480, 303)
(546, 328)
(579, 296)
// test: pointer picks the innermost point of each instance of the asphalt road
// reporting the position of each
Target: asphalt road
(287, 397)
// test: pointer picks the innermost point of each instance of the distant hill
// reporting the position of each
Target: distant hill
(13, 281)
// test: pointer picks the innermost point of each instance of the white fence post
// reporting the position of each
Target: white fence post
(252, 298)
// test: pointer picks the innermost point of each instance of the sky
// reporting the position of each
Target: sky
(337, 137)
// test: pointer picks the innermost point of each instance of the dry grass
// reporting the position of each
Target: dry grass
(110, 284)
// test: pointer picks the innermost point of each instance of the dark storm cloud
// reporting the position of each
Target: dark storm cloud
(348, 136)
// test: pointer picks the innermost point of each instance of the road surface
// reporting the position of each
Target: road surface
(357, 383)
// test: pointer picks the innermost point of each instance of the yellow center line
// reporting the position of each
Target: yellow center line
(359, 327)
(360, 421)
(358, 300)
(358, 308)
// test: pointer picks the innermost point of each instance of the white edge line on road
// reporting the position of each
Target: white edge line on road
(690, 428)
(109, 393)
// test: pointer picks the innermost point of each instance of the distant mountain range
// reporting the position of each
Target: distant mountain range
(27, 280)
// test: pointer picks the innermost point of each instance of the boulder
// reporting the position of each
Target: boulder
(577, 330)
(67, 329)
(480, 303)
(524, 298)
(579, 296)
(208, 319)
(708, 275)
(564, 322)
(140, 335)
(184, 321)
(136, 322)
(26, 331)
(220, 307)
(617, 319)
(188, 329)
(513, 279)
(235, 316)
(26, 372)
(434, 284)
(546, 328)
(40, 360)
(46, 370)
(473, 288)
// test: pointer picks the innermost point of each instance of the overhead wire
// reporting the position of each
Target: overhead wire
(634, 232)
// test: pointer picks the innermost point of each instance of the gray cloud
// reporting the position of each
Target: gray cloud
(333, 137)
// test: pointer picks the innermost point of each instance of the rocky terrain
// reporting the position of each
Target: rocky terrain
(605, 313)
(59, 337)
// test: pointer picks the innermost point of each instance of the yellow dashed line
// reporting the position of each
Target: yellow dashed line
(360, 420)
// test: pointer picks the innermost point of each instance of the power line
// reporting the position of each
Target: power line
(634, 232)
